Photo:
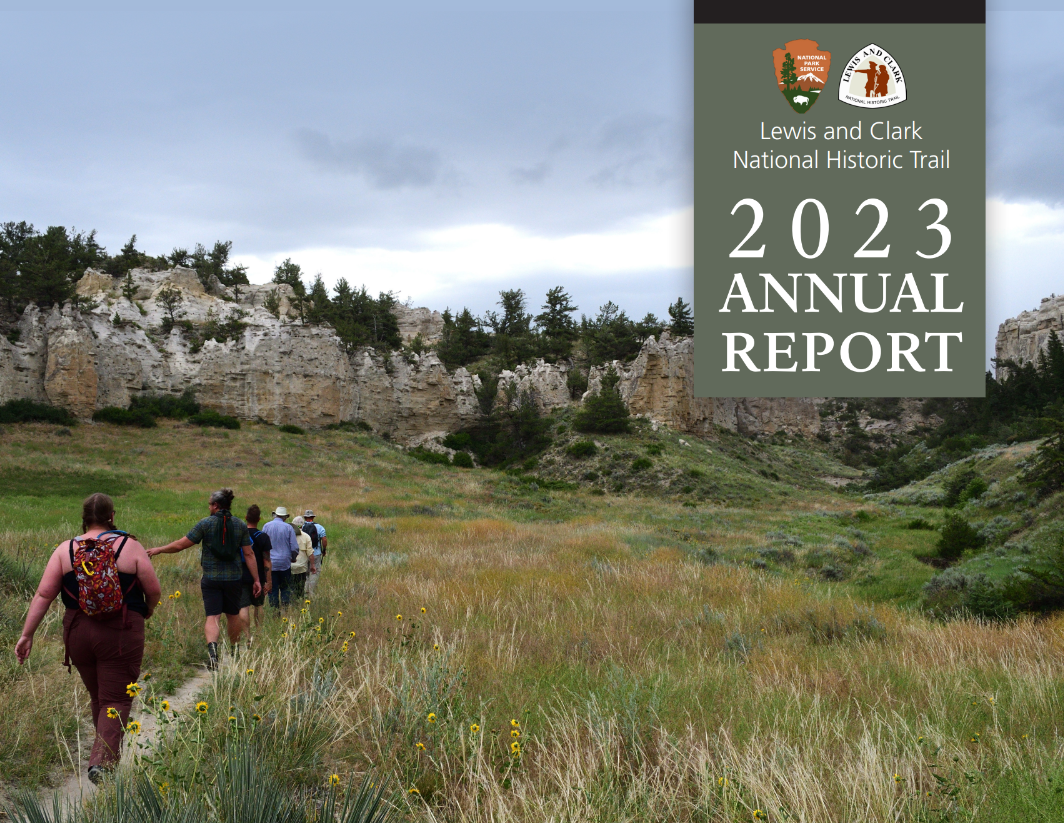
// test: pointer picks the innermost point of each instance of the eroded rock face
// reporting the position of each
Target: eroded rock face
(273, 368)
(544, 382)
(1022, 338)
(415, 321)
(659, 385)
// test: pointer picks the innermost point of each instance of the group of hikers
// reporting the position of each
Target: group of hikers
(109, 588)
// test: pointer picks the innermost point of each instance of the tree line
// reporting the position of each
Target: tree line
(44, 267)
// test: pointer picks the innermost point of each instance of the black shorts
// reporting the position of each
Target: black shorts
(247, 599)
(220, 596)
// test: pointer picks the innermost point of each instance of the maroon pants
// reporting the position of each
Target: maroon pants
(107, 654)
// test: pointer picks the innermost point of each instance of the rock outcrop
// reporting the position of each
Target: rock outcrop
(659, 385)
(1021, 338)
(238, 357)
(415, 321)
(241, 359)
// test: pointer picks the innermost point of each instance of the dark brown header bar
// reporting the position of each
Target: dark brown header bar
(931, 11)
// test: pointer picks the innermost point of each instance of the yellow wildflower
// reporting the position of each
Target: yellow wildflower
(112, 712)
(898, 778)
(339, 614)
(147, 676)
(759, 815)
(302, 611)
(133, 727)
(164, 788)
(515, 747)
(343, 648)
(423, 610)
(321, 619)
(722, 781)
(398, 617)
(421, 746)
(177, 595)
(133, 689)
(474, 728)
(201, 707)
(307, 602)
(514, 723)
(413, 790)
(515, 733)
(352, 634)
(432, 717)
(284, 634)
(165, 705)
(334, 780)
(256, 717)
(250, 671)
(232, 719)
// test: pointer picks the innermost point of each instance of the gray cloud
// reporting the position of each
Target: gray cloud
(385, 164)
(1025, 107)
(533, 174)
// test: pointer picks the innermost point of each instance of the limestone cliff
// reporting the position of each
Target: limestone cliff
(1021, 338)
(659, 385)
(238, 357)
(414, 321)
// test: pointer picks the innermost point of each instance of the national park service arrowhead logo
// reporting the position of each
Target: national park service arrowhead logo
(872, 79)
(802, 72)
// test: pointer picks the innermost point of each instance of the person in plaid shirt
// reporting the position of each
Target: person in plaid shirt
(221, 583)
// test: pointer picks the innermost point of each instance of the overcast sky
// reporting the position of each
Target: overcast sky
(440, 151)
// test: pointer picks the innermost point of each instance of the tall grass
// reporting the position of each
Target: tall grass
(652, 669)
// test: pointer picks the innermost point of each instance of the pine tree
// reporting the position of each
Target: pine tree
(683, 324)
(789, 75)
(557, 327)
(605, 412)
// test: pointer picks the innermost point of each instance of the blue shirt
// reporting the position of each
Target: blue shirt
(321, 534)
(283, 545)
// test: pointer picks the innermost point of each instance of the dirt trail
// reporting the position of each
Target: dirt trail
(77, 787)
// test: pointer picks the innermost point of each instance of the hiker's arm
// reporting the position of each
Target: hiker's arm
(253, 567)
(170, 548)
(47, 591)
(149, 581)
(267, 565)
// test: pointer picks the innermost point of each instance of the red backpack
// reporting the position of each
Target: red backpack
(95, 564)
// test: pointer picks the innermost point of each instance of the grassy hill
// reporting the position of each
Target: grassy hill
(718, 633)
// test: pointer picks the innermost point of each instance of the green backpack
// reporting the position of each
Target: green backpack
(225, 543)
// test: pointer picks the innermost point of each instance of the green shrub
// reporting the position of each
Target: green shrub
(289, 428)
(955, 488)
(974, 490)
(919, 524)
(166, 405)
(583, 448)
(1046, 473)
(459, 441)
(695, 473)
(957, 537)
(641, 463)
(592, 476)
(349, 426)
(655, 449)
(26, 411)
(605, 412)
(211, 418)
(462, 460)
(124, 417)
(426, 456)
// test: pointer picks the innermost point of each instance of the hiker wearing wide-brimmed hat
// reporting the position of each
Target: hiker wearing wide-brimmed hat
(283, 550)
(320, 543)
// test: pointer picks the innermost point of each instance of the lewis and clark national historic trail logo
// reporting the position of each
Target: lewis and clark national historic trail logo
(802, 72)
(872, 79)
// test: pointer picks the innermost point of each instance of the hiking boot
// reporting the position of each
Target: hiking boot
(96, 775)
(212, 657)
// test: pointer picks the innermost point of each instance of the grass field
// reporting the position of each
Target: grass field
(722, 646)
